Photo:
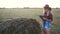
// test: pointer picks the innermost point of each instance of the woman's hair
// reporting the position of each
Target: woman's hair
(50, 9)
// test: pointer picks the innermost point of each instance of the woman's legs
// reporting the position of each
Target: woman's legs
(44, 31)
(47, 27)
(47, 31)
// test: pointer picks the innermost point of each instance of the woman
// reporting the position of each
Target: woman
(47, 19)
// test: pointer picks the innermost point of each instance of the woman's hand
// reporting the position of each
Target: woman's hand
(44, 18)
(47, 19)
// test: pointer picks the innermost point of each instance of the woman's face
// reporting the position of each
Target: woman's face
(46, 10)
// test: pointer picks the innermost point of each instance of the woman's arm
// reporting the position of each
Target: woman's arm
(44, 18)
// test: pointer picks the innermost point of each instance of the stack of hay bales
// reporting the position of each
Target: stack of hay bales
(20, 26)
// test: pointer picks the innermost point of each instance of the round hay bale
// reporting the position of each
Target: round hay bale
(20, 26)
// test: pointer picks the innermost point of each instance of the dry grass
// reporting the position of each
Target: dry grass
(32, 13)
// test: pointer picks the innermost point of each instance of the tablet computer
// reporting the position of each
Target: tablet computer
(41, 16)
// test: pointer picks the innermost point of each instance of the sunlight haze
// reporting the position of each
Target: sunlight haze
(29, 3)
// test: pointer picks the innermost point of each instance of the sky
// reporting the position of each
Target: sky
(29, 3)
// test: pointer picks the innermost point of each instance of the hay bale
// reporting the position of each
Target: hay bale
(20, 26)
